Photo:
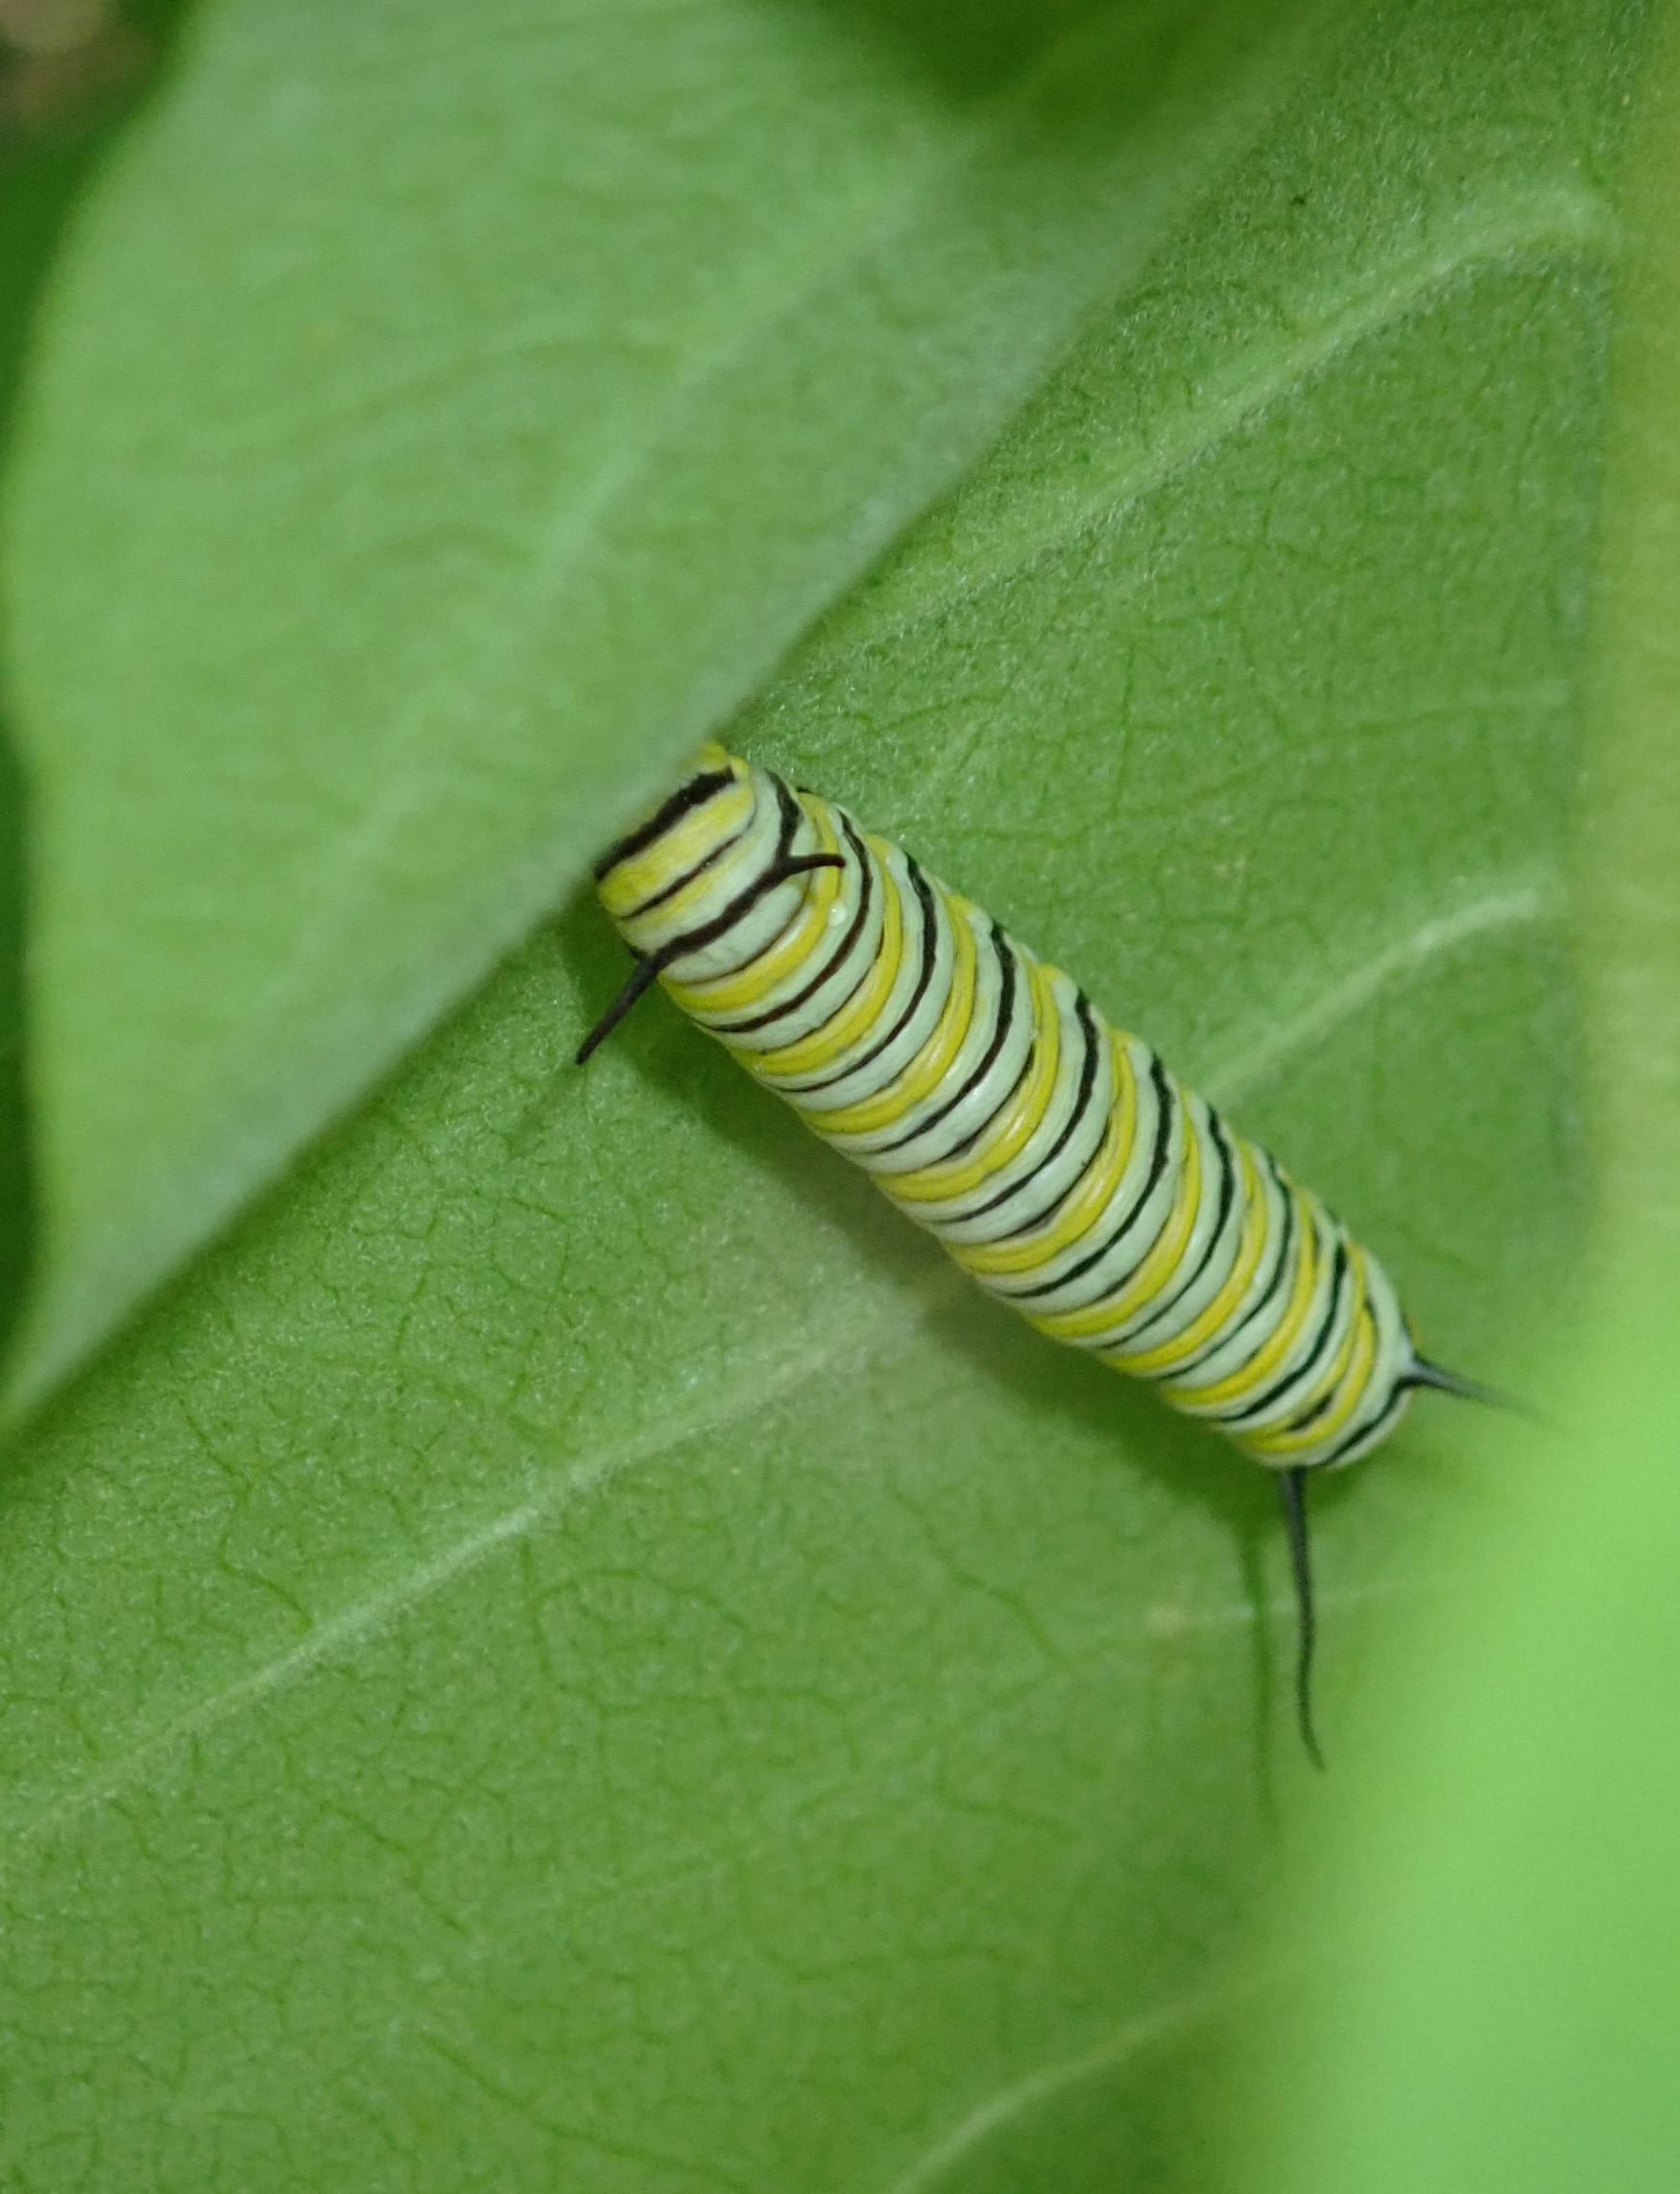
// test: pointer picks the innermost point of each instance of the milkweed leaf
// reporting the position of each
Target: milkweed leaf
(565, 1648)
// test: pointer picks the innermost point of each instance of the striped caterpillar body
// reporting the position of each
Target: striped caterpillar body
(1052, 1155)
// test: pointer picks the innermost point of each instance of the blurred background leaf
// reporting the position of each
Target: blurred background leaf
(1504, 2006)
(72, 75)
(569, 1646)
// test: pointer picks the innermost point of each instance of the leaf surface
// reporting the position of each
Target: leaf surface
(542, 382)
(1504, 2001)
(570, 1648)
(1630, 835)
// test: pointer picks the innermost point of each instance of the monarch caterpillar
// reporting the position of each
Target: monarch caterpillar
(1052, 1155)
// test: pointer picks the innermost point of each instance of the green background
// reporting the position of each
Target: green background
(545, 1638)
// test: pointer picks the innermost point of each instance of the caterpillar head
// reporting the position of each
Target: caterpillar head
(707, 877)
(685, 829)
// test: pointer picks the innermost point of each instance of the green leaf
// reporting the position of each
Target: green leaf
(540, 384)
(570, 1648)
(1505, 2006)
(60, 114)
(1504, 1998)
(1631, 836)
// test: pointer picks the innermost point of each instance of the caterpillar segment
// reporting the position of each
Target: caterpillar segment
(1055, 1156)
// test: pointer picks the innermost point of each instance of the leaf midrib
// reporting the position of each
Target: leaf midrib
(1503, 230)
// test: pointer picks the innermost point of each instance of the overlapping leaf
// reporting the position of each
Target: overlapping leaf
(543, 377)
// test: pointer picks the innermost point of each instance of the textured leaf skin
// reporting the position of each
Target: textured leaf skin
(567, 1648)
(1631, 838)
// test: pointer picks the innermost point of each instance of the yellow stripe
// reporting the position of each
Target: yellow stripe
(1014, 1128)
(852, 1019)
(1208, 1320)
(931, 1065)
(710, 882)
(747, 985)
(1161, 1263)
(625, 886)
(1086, 1201)
(1352, 1363)
(1289, 1331)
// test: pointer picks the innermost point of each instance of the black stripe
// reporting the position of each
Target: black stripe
(1087, 1020)
(1047, 1212)
(1370, 1430)
(699, 789)
(1227, 1197)
(1167, 1104)
(670, 890)
(923, 977)
(1300, 1424)
(1006, 990)
(708, 932)
(854, 928)
(1267, 1293)
(968, 1141)
(1309, 1363)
